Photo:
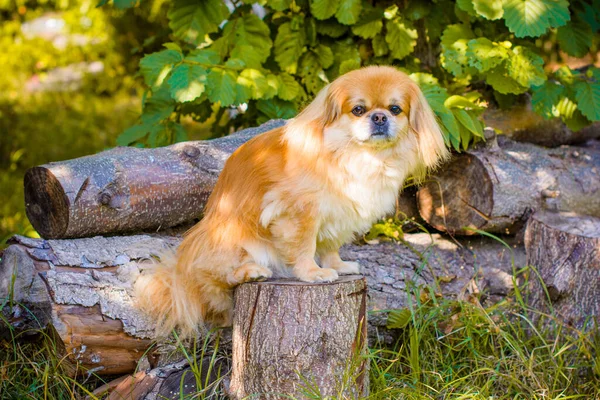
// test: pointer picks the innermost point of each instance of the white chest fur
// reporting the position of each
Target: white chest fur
(363, 189)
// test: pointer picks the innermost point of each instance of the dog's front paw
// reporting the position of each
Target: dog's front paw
(347, 268)
(249, 273)
(318, 275)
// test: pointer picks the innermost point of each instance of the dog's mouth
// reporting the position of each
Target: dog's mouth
(379, 133)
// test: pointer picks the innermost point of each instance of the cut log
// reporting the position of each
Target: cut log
(565, 250)
(82, 288)
(494, 188)
(522, 124)
(300, 340)
(128, 189)
(174, 381)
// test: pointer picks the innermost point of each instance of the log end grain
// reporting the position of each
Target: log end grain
(459, 197)
(46, 203)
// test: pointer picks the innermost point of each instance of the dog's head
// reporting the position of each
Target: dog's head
(376, 108)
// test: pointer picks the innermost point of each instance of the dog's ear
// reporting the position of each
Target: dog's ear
(324, 109)
(423, 123)
(305, 132)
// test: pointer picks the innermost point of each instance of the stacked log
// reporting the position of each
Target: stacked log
(495, 187)
(522, 124)
(82, 288)
(127, 189)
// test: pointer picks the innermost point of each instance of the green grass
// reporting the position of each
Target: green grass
(447, 349)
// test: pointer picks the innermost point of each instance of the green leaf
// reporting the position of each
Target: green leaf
(587, 95)
(566, 107)
(400, 38)
(179, 133)
(235, 63)
(466, 6)
(461, 102)
(122, 4)
(203, 56)
(324, 54)
(289, 46)
(289, 88)
(484, 54)
(156, 66)
(349, 65)
(468, 122)
(331, 28)
(498, 78)
(436, 97)
(173, 46)
(192, 20)
(221, 86)
(575, 38)
(133, 134)
(369, 25)
(545, 97)
(489, 9)
(280, 5)
(454, 49)
(345, 50)
(526, 67)
(257, 83)
(158, 107)
(323, 9)
(399, 319)
(424, 79)
(187, 82)
(312, 72)
(246, 38)
(276, 108)
(535, 17)
(380, 47)
(349, 11)
(577, 121)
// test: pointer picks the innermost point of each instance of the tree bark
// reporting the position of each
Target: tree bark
(565, 251)
(128, 189)
(522, 124)
(296, 339)
(493, 188)
(81, 289)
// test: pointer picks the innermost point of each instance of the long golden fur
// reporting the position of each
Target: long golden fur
(292, 196)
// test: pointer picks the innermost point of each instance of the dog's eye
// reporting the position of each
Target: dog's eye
(395, 110)
(358, 111)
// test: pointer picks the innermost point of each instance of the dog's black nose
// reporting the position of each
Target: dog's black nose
(379, 118)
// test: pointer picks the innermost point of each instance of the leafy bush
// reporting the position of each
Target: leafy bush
(39, 126)
(246, 61)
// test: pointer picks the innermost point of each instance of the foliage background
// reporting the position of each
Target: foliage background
(247, 61)
(201, 69)
(177, 69)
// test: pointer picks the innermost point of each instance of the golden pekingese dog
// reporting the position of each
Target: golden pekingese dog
(289, 198)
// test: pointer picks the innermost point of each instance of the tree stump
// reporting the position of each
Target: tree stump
(565, 250)
(296, 339)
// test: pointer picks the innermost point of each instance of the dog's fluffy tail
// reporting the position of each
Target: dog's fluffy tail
(182, 291)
